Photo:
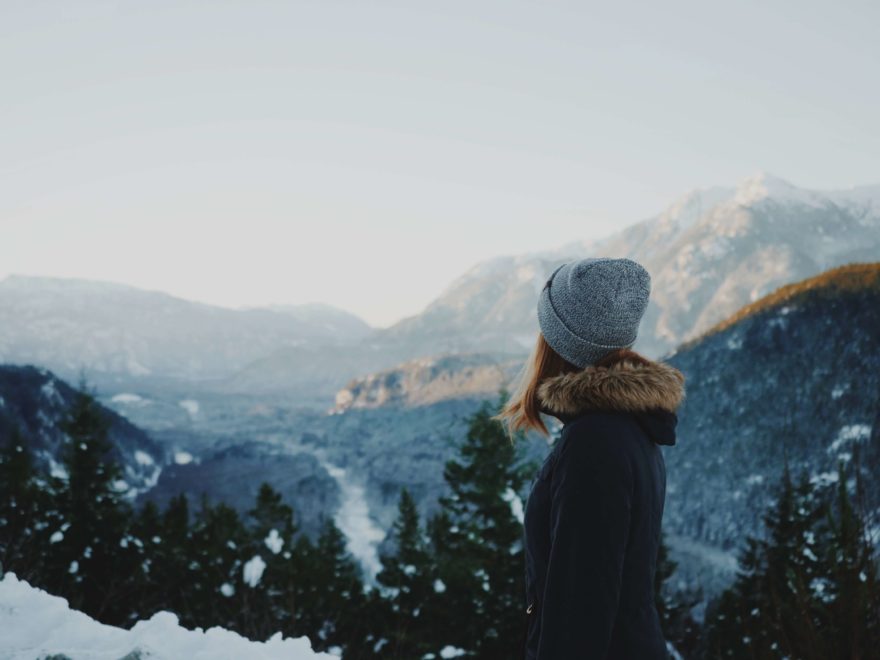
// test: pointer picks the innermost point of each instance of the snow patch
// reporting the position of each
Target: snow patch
(849, 434)
(57, 470)
(516, 504)
(762, 186)
(50, 392)
(191, 406)
(143, 458)
(183, 458)
(824, 478)
(36, 624)
(129, 399)
(274, 542)
(252, 572)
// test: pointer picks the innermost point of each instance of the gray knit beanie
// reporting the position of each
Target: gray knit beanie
(591, 307)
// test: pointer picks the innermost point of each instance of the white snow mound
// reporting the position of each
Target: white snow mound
(36, 624)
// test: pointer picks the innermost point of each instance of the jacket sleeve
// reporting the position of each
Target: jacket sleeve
(590, 506)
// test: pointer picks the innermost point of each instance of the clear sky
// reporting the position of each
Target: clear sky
(364, 154)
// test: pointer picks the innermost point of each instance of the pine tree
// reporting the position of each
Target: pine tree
(270, 605)
(477, 541)
(216, 566)
(168, 581)
(334, 590)
(851, 590)
(25, 510)
(674, 606)
(408, 576)
(809, 590)
(768, 607)
(89, 563)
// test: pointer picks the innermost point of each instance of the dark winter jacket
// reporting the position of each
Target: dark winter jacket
(592, 521)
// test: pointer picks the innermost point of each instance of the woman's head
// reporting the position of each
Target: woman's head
(589, 313)
(590, 307)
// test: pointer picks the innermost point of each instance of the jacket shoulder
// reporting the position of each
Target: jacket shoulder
(597, 441)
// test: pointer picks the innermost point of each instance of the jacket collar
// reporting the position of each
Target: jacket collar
(652, 390)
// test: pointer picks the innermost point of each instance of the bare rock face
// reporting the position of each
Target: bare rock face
(429, 380)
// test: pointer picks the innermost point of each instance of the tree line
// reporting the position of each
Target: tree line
(453, 585)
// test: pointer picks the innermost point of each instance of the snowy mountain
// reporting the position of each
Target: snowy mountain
(796, 376)
(34, 402)
(36, 624)
(113, 329)
(710, 252)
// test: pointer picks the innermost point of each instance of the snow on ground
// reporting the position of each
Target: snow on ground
(353, 519)
(190, 405)
(129, 399)
(143, 458)
(36, 624)
(849, 434)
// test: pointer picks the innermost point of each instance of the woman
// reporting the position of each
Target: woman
(592, 521)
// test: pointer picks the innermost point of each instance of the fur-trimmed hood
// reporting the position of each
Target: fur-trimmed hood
(651, 389)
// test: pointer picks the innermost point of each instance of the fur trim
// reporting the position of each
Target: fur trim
(627, 385)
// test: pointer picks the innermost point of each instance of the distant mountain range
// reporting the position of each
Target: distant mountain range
(112, 331)
(711, 252)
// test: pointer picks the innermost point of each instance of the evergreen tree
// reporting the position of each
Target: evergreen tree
(849, 589)
(216, 566)
(809, 590)
(163, 541)
(477, 541)
(334, 590)
(408, 578)
(270, 605)
(88, 561)
(25, 510)
(674, 606)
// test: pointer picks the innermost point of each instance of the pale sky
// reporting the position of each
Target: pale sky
(364, 154)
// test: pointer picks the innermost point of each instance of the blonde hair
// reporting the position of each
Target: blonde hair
(522, 411)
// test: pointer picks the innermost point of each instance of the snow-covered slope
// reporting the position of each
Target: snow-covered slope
(794, 376)
(34, 402)
(710, 252)
(35, 624)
